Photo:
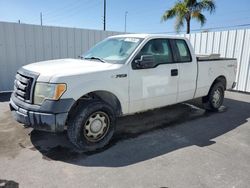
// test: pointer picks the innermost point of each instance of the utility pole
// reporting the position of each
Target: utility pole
(41, 18)
(125, 27)
(104, 16)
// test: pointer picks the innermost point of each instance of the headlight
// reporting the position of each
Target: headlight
(48, 91)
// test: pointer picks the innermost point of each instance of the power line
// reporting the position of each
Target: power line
(223, 27)
(213, 28)
(232, 21)
(221, 15)
(61, 13)
(57, 10)
(70, 5)
(69, 14)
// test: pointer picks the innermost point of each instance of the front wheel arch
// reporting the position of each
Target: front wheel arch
(101, 95)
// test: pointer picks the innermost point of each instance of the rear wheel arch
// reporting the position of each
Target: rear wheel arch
(215, 97)
(219, 79)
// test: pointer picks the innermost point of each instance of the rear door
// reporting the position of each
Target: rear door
(187, 70)
(154, 87)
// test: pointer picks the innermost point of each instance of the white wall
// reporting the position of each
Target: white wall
(233, 43)
(21, 44)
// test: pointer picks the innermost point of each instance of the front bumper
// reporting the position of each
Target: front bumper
(50, 116)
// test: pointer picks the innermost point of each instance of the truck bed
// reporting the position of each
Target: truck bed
(214, 68)
(212, 57)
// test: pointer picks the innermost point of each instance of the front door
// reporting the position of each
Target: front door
(154, 87)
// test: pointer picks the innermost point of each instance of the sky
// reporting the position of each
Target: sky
(144, 16)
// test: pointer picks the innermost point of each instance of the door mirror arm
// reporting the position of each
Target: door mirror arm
(145, 62)
(138, 63)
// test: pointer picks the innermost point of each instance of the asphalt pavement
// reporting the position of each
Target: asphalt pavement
(176, 146)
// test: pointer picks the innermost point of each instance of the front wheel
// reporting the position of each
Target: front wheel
(215, 97)
(92, 126)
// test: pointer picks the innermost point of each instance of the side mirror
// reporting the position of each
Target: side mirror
(145, 62)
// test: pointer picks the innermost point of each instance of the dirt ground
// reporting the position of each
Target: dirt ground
(176, 146)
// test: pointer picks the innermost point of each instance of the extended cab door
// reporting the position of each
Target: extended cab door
(187, 69)
(156, 86)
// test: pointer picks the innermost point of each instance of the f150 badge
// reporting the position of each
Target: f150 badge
(119, 76)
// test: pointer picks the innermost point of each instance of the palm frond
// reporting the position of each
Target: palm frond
(199, 17)
(190, 3)
(181, 8)
(178, 9)
(208, 5)
(168, 14)
(185, 10)
(179, 23)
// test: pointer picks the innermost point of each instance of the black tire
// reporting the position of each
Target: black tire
(210, 102)
(77, 125)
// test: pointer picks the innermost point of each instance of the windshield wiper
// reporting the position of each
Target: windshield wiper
(96, 58)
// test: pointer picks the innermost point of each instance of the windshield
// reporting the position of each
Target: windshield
(113, 50)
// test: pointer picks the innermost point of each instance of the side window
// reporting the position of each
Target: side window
(183, 50)
(159, 49)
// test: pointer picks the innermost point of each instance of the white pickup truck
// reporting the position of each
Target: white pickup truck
(121, 75)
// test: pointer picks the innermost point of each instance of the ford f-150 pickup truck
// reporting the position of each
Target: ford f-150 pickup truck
(121, 75)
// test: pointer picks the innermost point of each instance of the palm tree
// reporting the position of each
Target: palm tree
(185, 10)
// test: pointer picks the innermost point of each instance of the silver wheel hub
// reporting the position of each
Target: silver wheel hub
(96, 126)
(216, 98)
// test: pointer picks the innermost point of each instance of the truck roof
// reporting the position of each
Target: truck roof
(145, 35)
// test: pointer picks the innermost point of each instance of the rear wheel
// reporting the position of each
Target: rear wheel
(215, 97)
(92, 126)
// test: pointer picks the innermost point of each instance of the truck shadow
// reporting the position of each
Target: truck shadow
(147, 135)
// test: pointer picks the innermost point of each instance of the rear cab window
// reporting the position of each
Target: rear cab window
(183, 52)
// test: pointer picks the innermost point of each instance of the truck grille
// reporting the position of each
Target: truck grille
(23, 87)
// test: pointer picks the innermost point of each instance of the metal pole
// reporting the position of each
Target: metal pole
(104, 16)
(41, 18)
(125, 27)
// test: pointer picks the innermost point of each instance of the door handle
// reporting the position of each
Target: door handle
(174, 72)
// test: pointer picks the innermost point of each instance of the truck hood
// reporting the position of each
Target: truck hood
(67, 67)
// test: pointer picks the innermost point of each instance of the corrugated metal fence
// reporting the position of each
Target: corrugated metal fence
(21, 44)
(233, 43)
